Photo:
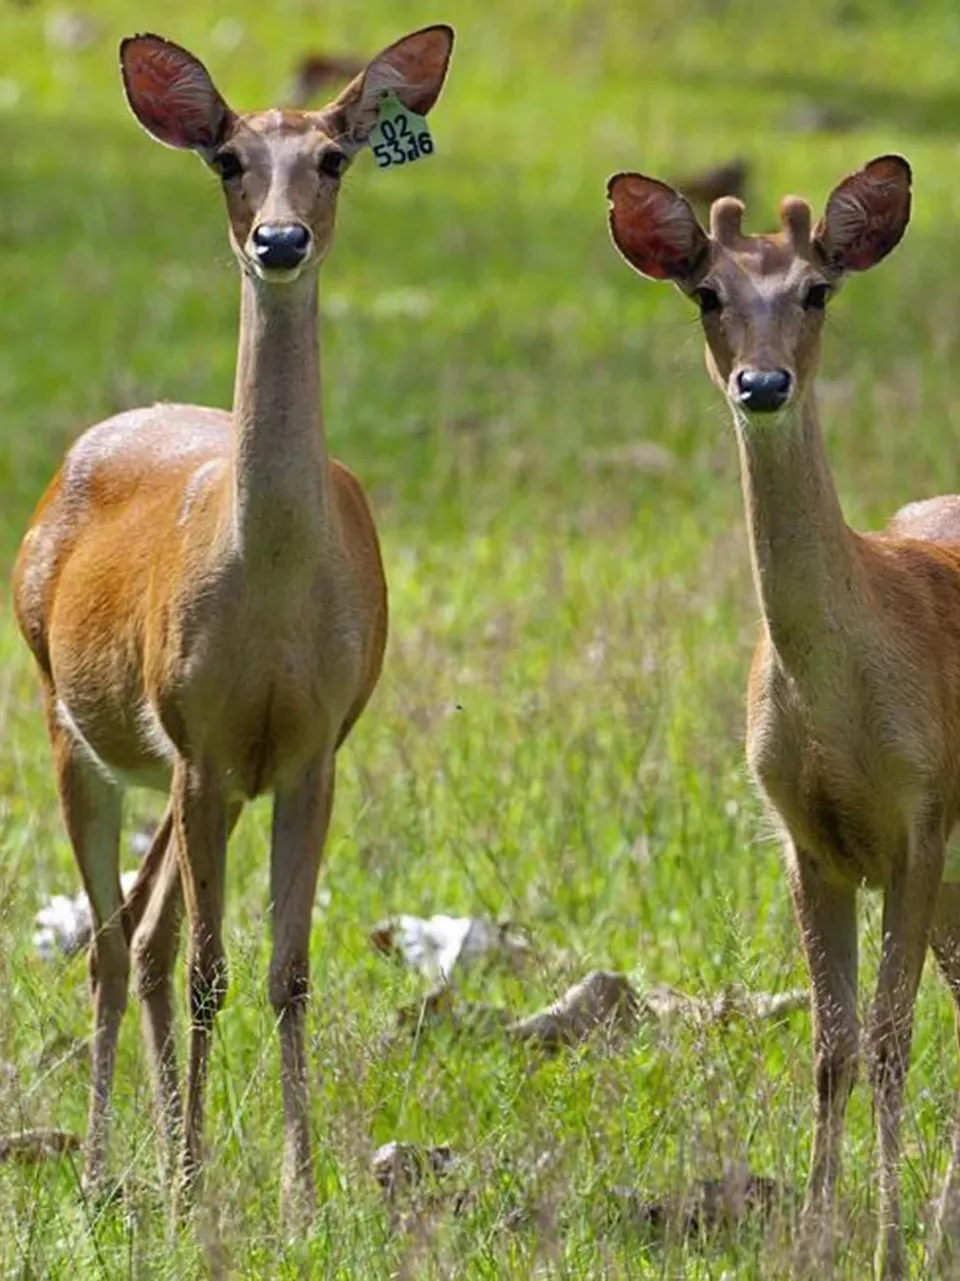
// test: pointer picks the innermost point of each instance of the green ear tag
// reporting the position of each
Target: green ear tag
(399, 137)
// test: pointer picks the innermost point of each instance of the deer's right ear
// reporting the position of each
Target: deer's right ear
(413, 69)
(171, 94)
(655, 229)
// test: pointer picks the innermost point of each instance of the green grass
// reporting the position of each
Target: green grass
(558, 733)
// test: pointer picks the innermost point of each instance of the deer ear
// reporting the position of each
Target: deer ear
(171, 94)
(655, 229)
(866, 215)
(413, 69)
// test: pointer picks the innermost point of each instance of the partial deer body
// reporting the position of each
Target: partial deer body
(854, 697)
(204, 596)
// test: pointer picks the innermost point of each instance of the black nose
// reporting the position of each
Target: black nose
(281, 245)
(763, 390)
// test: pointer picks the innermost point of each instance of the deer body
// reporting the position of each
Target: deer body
(852, 729)
(204, 596)
(853, 719)
(254, 670)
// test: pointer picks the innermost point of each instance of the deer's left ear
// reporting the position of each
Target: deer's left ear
(866, 215)
(413, 69)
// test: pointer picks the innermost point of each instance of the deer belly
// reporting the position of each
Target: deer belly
(838, 818)
(254, 705)
(266, 742)
(843, 834)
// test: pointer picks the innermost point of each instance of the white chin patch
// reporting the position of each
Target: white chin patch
(278, 275)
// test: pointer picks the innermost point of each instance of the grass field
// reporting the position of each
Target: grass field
(558, 734)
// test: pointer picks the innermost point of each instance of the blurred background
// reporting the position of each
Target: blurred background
(477, 322)
(558, 734)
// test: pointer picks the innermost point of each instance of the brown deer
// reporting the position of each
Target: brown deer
(854, 698)
(204, 596)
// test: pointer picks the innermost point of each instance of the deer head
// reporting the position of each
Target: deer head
(280, 170)
(761, 298)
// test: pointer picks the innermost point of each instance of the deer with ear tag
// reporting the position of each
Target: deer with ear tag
(853, 722)
(204, 596)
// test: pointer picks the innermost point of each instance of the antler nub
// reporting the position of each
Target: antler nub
(796, 218)
(725, 215)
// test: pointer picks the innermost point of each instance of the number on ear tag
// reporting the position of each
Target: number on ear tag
(399, 137)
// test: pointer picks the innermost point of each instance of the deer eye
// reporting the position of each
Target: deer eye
(708, 300)
(227, 165)
(815, 299)
(332, 164)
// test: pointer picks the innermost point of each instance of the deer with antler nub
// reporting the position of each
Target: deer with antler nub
(854, 697)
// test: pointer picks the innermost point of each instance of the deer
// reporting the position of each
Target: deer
(204, 596)
(853, 702)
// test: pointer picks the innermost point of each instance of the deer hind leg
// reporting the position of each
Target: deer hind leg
(908, 911)
(945, 938)
(91, 806)
(300, 822)
(155, 907)
(200, 831)
(827, 916)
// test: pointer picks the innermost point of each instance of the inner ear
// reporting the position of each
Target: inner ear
(172, 95)
(866, 215)
(656, 230)
(413, 69)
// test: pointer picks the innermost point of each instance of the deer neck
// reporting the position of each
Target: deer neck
(804, 559)
(281, 476)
